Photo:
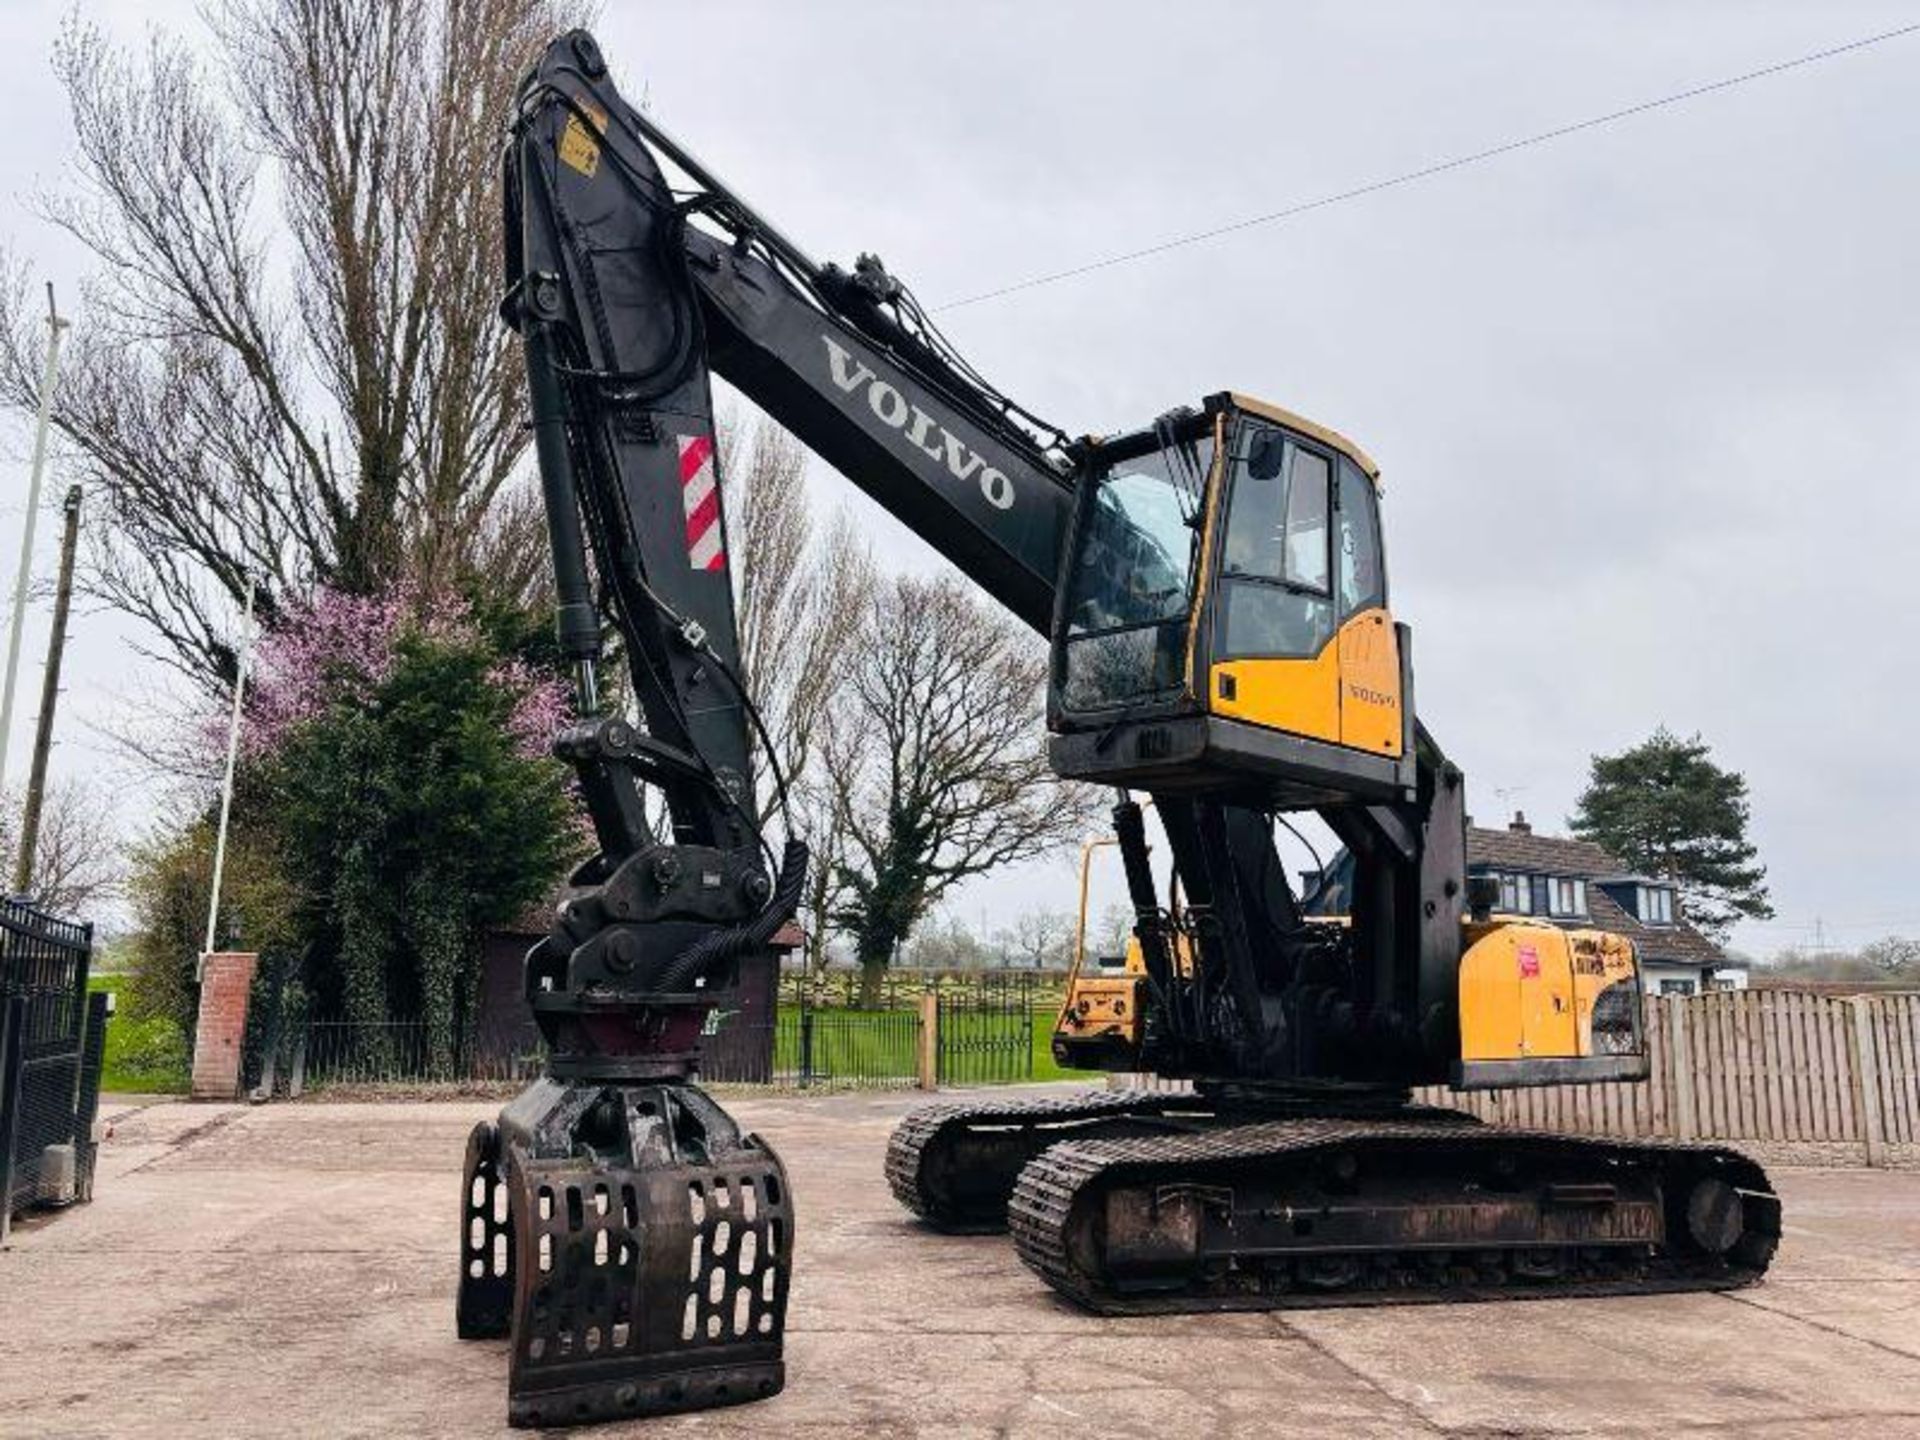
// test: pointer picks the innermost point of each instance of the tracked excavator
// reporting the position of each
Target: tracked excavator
(1213, 589)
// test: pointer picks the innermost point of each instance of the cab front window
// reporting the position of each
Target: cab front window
(1137, 555)
(1131, 588)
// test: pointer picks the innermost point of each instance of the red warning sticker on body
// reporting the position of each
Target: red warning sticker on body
(1529, 963)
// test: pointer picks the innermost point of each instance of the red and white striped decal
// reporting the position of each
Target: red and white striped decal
(700, 495)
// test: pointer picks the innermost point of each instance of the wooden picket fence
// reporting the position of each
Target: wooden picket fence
(1799, 1076)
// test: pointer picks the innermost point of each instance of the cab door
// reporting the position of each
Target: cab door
(1274, 661)
(1301, 638)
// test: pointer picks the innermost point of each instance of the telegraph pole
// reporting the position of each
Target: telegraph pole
(55, 326)
(49, 698)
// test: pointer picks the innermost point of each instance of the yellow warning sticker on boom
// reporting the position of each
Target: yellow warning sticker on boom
(580, 146)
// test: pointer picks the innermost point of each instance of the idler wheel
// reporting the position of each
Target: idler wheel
(1716, 1216)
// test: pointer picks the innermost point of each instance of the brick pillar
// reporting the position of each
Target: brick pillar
(225, 980)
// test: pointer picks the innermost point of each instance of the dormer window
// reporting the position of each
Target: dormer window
(1566, 896)
(1655, 905)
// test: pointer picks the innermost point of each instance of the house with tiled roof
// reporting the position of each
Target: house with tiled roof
(1578, 885)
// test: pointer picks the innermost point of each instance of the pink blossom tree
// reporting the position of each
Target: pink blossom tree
(400, 753)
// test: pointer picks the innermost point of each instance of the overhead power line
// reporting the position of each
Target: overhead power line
(1427, 172)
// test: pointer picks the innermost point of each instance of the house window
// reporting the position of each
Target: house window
(1569, 897)
(1676, 987)
(1656, 905)
(1516, 894)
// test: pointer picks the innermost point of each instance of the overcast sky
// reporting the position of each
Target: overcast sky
(1644, 398)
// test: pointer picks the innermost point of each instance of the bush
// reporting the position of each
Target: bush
(148, 1054)
(395, 800)
(169, 880)
(417, 821)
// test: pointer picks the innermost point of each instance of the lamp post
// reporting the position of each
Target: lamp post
(226, 785)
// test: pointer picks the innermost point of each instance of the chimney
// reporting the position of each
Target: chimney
(1519, 825)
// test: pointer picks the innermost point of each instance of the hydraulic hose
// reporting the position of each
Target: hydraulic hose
(723, 946)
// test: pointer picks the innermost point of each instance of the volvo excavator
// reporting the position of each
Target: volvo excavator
(1213, 589)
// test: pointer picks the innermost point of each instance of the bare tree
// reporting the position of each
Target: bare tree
(511, 548)
(944, 941)
(1893, 955)
(801, 595)
(946, 697)
(326, 397)
(823, 823)
(76, 863)
(1040, 939)
(1107, 936)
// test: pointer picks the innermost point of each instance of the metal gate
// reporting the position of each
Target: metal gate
(52, 1041)
(986, 1031)
(815, 1044)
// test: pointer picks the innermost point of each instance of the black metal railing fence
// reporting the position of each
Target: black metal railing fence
(342, 1052)
(901, 989)
(985, 1035)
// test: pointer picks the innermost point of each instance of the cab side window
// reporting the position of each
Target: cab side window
(1306, 538)
(1357, 554)
(1277, 526)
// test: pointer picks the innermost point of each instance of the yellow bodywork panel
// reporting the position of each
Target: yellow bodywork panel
(1102, 1006)
(1527, 991)
(1103, 1011)
(1370, 684)
(1102, 1020)
(1348, 694)
(1300, 696)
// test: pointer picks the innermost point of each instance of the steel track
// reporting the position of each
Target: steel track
(1052, 1209)
(925, 1145)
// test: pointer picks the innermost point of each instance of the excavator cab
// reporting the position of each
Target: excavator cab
(1223, 617)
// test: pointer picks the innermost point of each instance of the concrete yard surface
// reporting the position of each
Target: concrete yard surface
(290, 1271)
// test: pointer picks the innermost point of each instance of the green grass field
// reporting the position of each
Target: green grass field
(883, 1044)
(143, 1056)
(848, 1044)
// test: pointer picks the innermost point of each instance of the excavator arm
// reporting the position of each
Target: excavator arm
(629, 296)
